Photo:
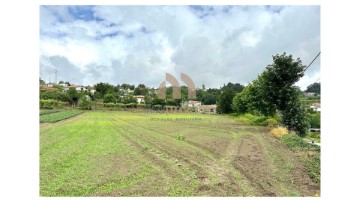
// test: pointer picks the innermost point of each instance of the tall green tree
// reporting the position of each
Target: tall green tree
(313, 88)
(274, 90)
(73, 96)
(223, 104)
(104, 88)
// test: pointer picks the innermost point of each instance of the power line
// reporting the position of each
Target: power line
(312, 61)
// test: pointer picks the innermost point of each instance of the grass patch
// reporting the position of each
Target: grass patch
(55, 117)
(309, 154)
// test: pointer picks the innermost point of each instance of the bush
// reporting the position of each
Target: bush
(257, 120)
(279, 132)
(314, 120)
(109, 98)
(51, 104)
(85, 104)
(271, 122)
(109, 105)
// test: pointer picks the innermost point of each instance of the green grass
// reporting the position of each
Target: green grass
(48, 111)
(308, 153)
(119, 153)
(55, 117)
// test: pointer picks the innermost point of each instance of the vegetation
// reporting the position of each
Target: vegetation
(51, 104)
(55, 117)
(259, 120)
(309, 154)
(50, 111)
(223, 104)
(279, 132)
(315, 120)
(120, 153)
(313, 88)
(274, 91)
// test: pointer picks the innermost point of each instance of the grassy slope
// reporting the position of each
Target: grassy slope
(126, 154)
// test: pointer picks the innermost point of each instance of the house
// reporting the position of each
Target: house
(140, 98)
(191, 103)
(207, 109)
(315, 107)
(309, 94)
(77, 87)
(63, 85)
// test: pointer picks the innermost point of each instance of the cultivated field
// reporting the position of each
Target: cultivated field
(116, 153)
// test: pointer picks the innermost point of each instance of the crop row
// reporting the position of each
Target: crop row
(55, 117)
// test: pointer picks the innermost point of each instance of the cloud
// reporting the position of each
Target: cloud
(138, 44)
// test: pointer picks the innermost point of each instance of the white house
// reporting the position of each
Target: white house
(192, 103)
(315, 107)
(207, 109)
(140, 98)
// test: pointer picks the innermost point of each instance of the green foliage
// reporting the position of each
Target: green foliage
(180, 137)
(311, 157)
(295, 142)
(223, 104)
(50, 111)
(295, 118)
(141, 90)
(257, 120)
(109, 98)
(313, 88)
(85, 103)
(104, 88)
(51, 104)
(315, 120)
(273, 91)
(73, 95)
(237, 88)
(55, 117)
(54, 94)
(41, 82)
(314, 135)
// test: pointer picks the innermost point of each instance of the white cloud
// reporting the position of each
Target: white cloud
(214, 45)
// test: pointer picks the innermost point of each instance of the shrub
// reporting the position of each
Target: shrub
(271, 122)
(257, 120)
(51, 104)
(109, 98)
(314, 120)
(279, 132)
(85, 103)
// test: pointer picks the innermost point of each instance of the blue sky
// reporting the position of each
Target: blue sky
(139, 44)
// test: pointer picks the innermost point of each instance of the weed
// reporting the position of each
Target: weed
(180, 137)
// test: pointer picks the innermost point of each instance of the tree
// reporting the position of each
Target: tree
(274, 90)
(223, 104)
(104, 88)
(85, 103)
(141, 90)
(109, 98)
(313, 88)
(73, 96)
(42, 82)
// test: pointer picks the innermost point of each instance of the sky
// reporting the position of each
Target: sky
(214, 45)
